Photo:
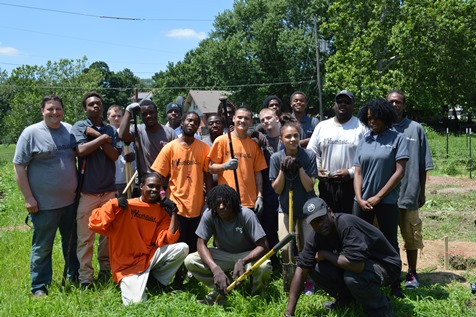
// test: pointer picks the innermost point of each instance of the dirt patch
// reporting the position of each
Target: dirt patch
(461, 254)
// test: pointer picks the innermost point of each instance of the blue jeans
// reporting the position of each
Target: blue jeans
(45, 223)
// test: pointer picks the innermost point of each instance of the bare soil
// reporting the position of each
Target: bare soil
(431, 259)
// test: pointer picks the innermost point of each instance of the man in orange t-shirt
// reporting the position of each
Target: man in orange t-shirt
(142, 235)
(184, 162)
(248, 162)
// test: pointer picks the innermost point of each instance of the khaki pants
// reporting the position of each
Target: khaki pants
(86, 237)
(226, 261)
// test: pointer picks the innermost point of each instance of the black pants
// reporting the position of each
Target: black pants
(338, 195)
(363, 287)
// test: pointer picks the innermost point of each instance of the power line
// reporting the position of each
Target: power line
(223, 87)
(100, 16)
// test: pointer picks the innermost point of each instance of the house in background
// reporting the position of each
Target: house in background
(204, 102)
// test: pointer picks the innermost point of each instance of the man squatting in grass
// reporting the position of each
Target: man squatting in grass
(412, 186)
(240, 240)
(346, 257)
(142, 236)
(45, 170)
(94, 142)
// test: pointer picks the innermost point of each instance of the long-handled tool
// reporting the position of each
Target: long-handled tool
(290, 266)
(248, 272)
(128, 172)
(230, 143)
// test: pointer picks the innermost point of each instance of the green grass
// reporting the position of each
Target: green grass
(444, 215)
(455, 162)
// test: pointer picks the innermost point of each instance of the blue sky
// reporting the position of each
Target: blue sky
(33, 32)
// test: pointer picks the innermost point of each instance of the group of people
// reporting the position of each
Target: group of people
(214, 207)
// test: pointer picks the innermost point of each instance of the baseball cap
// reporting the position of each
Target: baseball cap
(314, 208)
(345, 93)
(172, 106)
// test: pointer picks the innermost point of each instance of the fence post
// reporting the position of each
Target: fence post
(470, 155)
(447, 140)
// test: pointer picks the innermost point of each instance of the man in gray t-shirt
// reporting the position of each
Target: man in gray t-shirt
(240, 240)
(412, 187)
(45, 170)
(151, 135)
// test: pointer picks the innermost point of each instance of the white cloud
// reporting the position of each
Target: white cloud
(9, 51)
(186, 34)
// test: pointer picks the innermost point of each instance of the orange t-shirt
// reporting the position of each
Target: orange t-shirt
(250, 160)
(134, 234)
(185, 165)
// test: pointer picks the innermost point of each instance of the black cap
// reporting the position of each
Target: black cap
(314, 208)
(345, 93)
(173, 106)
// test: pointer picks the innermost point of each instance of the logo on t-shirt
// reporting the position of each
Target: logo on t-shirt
(239, 229)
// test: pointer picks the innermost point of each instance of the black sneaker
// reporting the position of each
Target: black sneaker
(396, 291)
(86, 285)
(104, 277)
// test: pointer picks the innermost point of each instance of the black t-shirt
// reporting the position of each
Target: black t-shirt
(357, 240)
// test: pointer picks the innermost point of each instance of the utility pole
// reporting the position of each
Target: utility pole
(318, 70)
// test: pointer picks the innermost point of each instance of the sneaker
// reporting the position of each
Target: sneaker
(336, 304)
(39, 294)
(411, 281)
(211, 299)
(396, 291)
(85, 286)
(308, 287)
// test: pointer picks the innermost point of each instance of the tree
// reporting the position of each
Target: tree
(116, 88)
(28, 84)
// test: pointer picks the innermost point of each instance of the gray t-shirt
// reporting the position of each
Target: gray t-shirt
(51, 164)
(240, 234)
(419, 161)
(151, 143)
(377, 159)
(307, 159)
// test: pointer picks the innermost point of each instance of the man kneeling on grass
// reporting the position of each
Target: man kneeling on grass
(240, 241)
(346, 257)
(142, 236)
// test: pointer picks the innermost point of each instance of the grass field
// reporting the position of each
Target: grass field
(435, 300)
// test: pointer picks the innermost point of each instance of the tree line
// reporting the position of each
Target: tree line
(427, 48)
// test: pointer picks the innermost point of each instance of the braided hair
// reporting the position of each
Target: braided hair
(223, 194)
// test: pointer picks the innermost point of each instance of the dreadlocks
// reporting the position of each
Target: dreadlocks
(223, 194)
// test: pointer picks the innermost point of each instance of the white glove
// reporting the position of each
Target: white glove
(132, 107)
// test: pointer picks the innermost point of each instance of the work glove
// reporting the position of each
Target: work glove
(232, 164)
(130, 157)
(258, 206)
(295, 166)
(287, 164)
(122, 202)
(132, 107)
(239, 269)
(168, 205)
(220, 280)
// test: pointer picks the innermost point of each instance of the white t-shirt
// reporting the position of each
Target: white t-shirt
(335, 144)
